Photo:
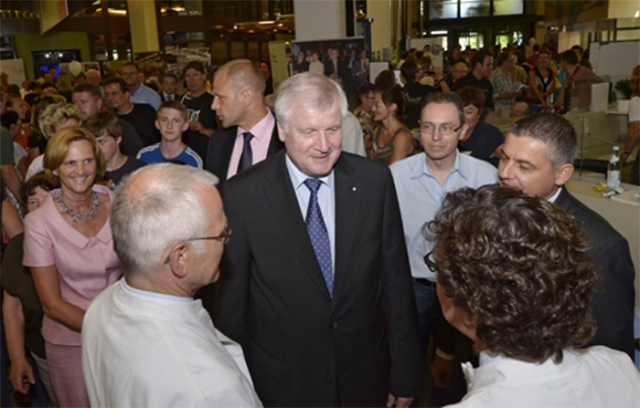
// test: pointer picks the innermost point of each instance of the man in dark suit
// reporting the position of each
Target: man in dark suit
(537, 158)
(316, 284)
(250, 133)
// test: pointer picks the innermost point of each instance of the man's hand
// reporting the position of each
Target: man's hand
(21, 375)
(442, 372)
(400, 402)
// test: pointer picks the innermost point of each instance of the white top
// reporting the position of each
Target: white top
(35, 167)
(352, 141)
(593, 377)
(153, 350)
(634, 109)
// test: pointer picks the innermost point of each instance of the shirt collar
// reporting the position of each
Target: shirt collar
(263, 129)
(422, 169)
(298, 177)
(554, 197)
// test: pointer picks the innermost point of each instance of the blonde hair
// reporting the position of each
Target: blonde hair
(55, 114)
(58, 148)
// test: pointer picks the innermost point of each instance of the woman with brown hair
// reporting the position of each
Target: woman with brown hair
(68, 246)
(392, 141)
(542, 84)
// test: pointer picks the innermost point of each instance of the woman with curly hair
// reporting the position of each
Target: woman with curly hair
(514, 276)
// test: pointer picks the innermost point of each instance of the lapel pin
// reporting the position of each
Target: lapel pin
(354, 188)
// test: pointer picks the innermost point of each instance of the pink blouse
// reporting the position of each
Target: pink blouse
(86, 266)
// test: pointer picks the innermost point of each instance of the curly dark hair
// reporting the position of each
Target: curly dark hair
(519, 265)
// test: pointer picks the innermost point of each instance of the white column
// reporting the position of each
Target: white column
(143, 26)
(320, 19)
(380, 11)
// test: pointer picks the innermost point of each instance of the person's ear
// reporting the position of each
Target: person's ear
(247, 96)
(99, 103)
(463, 131)
(393, 108)
(563, 174)
(176, 257)
(158, 124)
(280, 132)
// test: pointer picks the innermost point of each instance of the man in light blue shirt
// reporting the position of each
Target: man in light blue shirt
(139, 92)
(423, 180)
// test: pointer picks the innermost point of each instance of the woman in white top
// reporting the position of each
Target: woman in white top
(514, 276)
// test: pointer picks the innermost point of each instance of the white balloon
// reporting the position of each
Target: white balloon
(75, 68)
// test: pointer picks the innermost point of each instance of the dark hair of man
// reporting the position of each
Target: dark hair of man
(471, 95)
(503, 57)
(393, 94)
(409, 70)
(46, 85)
(131, 64)
(364, 89)
(554, 131)
(104, 121)
(197, 65)
(29, 186)
(9, 118)
(545, 51)
(577, 47)
(117, 80)
(519, 264)
(441, 98)
(569, 57)
(91, 89)
(171, 75)
(536, 47)
(480, 57)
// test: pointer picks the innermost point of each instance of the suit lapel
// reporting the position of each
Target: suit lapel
(347, 196)
(284, 205)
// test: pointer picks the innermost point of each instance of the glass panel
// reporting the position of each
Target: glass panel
(443, 9)
(628, 22)
(628, 35)
(218, 53)
(473, 8)
(253, 50)
(506, 7)
(237, 50)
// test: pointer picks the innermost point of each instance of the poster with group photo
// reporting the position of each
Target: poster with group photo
(344, 60)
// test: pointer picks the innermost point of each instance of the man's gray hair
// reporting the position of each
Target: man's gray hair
(154, 208)
(240, 73)
(554, 131)
(310, 91)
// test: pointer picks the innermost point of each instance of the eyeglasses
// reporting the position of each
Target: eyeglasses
(445, 130)
(224, 237)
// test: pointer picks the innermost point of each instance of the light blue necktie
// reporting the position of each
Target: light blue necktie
(318, 233)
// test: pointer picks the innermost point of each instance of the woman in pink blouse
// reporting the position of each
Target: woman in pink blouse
(69, 248)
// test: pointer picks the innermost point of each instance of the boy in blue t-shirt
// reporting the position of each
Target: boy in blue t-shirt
(171, 122)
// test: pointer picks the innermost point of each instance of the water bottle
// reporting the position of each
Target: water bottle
(613, 169)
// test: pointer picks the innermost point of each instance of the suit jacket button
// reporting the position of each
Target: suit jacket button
(328, 379)
(334, 325)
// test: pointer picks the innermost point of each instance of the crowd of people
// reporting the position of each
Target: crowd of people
(215, 247)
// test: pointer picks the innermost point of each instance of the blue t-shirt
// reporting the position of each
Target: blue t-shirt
(152, 154)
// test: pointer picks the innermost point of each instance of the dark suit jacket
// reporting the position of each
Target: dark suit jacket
(613, 304)
(220, 149)
(303, 347)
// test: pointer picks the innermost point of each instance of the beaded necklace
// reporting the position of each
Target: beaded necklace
(81, 216)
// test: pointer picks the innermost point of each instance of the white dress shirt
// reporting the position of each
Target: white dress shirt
(149, 349)
(593, 377)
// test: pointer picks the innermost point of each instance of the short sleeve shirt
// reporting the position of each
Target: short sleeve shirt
(85, 266)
